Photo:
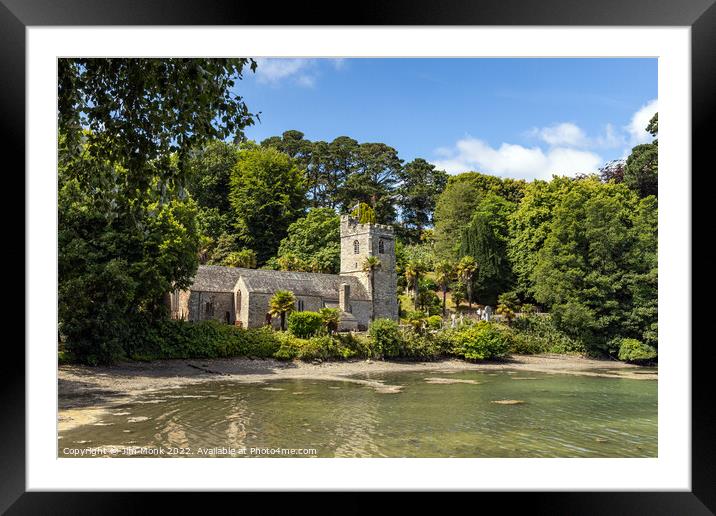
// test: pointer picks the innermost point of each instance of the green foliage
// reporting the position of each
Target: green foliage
(205, 339)
(245, 258)
(281, 303)
(506, 312)
(363, 213)
(434, 322)
(330, 317)
(267, 195)
(641, 172)
(305, 324)
(420, 346)
(509, 300)
(485, 239)
(160, 107)
(420, 186)
(127, 231)
(385, 338)
(313, 242)
(458, 202)
(597, 268)
(120, 251)
(482, 341)
(372, 180)
(632, 350)
(529, 227)
(538, 334)
(208, 173)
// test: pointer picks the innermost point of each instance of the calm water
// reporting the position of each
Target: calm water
(561, 416)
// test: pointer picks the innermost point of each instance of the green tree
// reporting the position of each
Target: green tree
(444, 273)
(363, 213)
(245, 258)
(641, 172)
(267, 195)
(529, 225)
(330, 318)
(315, 241)
(466, 269)
(370, 265)
(485, 239)
(158, 106)
(283, 302)
(597, 268)
(127, 228)
(209, 172)
(456, 205)
(414, 270)
(420, 186)
(373, 180)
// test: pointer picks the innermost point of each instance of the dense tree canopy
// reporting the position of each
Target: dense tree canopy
(485, 239)
(597, 268)
(455, 206)
(127, 226)
(314, 241)
(641, 170)
(420, 186)
(267, 195)
(155, 177)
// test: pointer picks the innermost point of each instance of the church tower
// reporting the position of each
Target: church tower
(358, 242)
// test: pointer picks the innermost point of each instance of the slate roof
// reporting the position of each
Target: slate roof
(216, 278)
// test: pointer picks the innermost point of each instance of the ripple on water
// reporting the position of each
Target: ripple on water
(561, 416)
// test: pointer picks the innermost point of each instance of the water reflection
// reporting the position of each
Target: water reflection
(464, 414)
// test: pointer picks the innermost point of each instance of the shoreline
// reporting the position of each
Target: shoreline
(85, 393)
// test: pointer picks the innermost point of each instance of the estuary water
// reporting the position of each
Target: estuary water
(409, 414)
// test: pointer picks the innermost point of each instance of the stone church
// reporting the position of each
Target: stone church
(241, 296)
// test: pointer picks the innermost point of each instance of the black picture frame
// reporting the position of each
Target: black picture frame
(700, 15)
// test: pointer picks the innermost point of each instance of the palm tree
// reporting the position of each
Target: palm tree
(370, 264)
(413, 270)
(331, 318)
(282, 303)
(444, 272)
(466, 269)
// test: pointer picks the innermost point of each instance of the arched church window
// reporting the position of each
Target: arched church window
(356, 247)
(381, 247)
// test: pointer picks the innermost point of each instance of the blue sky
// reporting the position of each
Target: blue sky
(523, 118)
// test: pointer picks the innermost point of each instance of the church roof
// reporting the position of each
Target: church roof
(217, 278)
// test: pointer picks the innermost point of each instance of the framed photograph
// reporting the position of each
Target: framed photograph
(416, 252)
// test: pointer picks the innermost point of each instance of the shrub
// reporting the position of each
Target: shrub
(415, 319)
(632, 350)
(435, 322)
(416, 345)
(330, 318)
(510, 300)
(205, 339)
(538, 334)
(289, 348)
(385, 338)
(305, 324)
(482, 341)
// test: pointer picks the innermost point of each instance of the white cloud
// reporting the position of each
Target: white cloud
(639, 121)
(611, 138)
(565, 133)
(511, 160)
(303, 72)
(275, 71)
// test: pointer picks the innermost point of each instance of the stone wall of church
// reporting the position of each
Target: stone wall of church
(217, 306)
(358, 241)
